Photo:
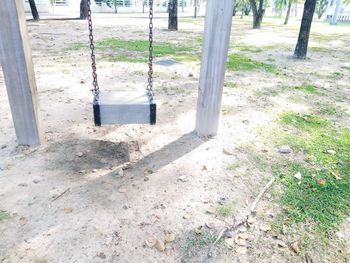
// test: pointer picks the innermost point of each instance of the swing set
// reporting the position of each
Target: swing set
(111, 107)
(122, 107)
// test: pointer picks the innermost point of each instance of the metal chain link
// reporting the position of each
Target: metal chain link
(96, 88)
(150, 58)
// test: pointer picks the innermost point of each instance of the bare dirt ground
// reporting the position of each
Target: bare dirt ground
(97, 194)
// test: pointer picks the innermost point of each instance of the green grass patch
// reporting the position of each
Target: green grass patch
(308, 89)
(137, 50)
(336, 75)
(240, 62)
(322, 196)
(230, 85)
(303, 121)
(4, 215)
(251, 49)
(225, 210)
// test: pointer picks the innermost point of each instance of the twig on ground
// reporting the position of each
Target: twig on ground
(245, 218)
(61, 194)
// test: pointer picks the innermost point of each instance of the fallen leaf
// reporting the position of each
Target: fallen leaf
(23, 221)
(242, 250)
(336, 176)
(160, 245)
(209, 225)
(198, 230)
(322, 182)
(151, 242)
(265, 227)
(239, 241)
(169, 237)
(227, 151)
(281, 243)
(230, 242)
(68, 210)
(295, 247)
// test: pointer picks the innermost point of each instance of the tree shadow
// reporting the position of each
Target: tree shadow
(170, 152)
(78, 155)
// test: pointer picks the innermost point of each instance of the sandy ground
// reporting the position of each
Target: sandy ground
(121, 185)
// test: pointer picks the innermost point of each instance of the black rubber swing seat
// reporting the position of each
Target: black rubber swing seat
(124, 108)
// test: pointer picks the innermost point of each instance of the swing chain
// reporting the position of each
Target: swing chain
(150, 59)
(96, 88)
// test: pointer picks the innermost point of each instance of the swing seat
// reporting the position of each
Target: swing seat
(124, 108)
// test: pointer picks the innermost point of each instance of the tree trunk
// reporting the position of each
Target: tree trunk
(257, 19)
(83, 9)
(242, 14)
(334, 19)
(172, 25)
(34, 10)
(304, 33)
(195, 8)
(258, 14)
(288, 12)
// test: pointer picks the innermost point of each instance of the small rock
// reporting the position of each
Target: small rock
(160, 245)
(187, 216)
(82, 171)
(229, 234)
(3, 146)
(146, 179)
(285, 149)
(94, 170)
(332, 152)
(148, 171)
(169, 237)
(122, 190)
(265, 227)
(36, 181)
(190, 75)
(80, 154)
(23, 185)
(182, 178)
(227, 151)
(298, 176)
(295, 247)
(126, 206)
(101, 255)
(151, 242)
(340, 235)
(119, 172)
